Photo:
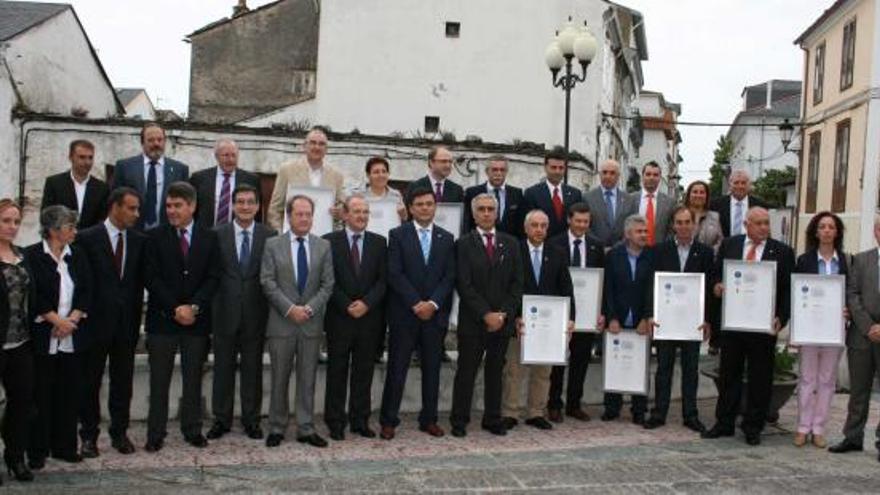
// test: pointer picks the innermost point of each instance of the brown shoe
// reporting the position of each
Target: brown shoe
(819, 441)
(800, 439)
(578, 414)
(554, 415)
(387, 432)
(433, 430)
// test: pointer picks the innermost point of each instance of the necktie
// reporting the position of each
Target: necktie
(500, 206)
(738, 218)
(438, 192)
(356, 254)
(223, 203)
(558, 207)
(752, 255)
(425, 242)
(536, 265)
(151, 200)
(118, 253)
(649, 216)
(576, 255)
(244, 257)
(609, 207)
(490, 245)
(302, 265)
(184, 244)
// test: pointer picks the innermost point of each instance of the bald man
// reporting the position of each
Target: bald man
(732, 207)
(605, 201)
(214, 186)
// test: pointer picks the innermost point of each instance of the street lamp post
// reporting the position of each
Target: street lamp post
(785, 133)
(570, 42)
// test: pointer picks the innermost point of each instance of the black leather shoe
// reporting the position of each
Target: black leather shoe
(845, 446)
(154, 445)
(496, 429)
(539, 423)
(274, 440)
(122, 445)
(19, 471)
(314, 440)
(509, 423)
(694, 424)
(198, 440)
(36, 463)
(217, 430)
(459, 431)
(718, 431)
(71, 457)
(253, 432)
(609, 416)
(578, 414)
(753, 439)
(338, 435)
(638, 419)
(364, 431)
(653, 423)
(555, 415)
(89, 449)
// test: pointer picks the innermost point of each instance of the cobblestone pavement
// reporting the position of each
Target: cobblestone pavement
(574, 457)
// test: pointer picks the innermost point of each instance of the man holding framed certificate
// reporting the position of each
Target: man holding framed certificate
(745, 348)
(674, 301)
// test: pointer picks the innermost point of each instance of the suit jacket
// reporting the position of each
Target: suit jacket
(510, 222)
(369, 284)
(732, 249)
(59, 190)
(602, 226)
(47, 284)
(412, 280)
(537, 197)
(239, 304)
(121, 300)
(701, 259)
(663, 206)
(173, 281)
(205, 182)
(452, 192)
(722, 206)
(296, 172)
(129, 172)
(863, 298)
(279, 285)
(555, 279)
(594, 249)
(809, 263)
(623, 292)
(488, 285)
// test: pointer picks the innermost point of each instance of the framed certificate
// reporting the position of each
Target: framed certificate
(749, 302)
(324, 198)
(679, 305)
(383, 217)
(625, 362)
(545, 330)
(450, 217)
(817, 303)
(587, 283)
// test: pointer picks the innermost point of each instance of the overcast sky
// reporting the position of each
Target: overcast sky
(701, 52)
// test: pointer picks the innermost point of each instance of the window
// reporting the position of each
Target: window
(432, 124)
(818, 73)
(841, 167)
(813, 171)
(848, 57)
(453, 29)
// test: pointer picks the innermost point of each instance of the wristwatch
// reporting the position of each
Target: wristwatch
(195, 309)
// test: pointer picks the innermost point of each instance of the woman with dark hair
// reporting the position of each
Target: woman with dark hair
(697, 199)
(378, 172)
(818, 364)
(16, 353)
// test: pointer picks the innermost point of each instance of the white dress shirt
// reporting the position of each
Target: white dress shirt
(643, 202)
(759, 252)
(745, 210)
(582, 248)
(294, 252)
(315, 175)
(485, 240)
(551, 187)
(65, 299)
(113, 234)
(502, 197)
(360, 242)
(80, 189)
(684, 250)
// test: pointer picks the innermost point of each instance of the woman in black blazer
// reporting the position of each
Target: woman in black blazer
(16, 353)
(62, 279)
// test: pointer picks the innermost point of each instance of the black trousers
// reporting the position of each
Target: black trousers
(243, 353)
(119, 351)
(738, 349)
(690, 363)
(471, 352)
(614, 402)
(428, 338)
(57, 393)
(580, 347)
(162, 349)
(351, 351)
(17, 375)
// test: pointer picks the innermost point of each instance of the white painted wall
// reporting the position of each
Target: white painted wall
(757, 143)
(141, 107)
(8, 138)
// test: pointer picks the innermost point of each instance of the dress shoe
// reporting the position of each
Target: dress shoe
(314, 440)
(845, 446)
(433, 430)
(198, 440)
(819, 441)
(337, 435)
(694, 424)
(539, 423)
(154, 445)
(387, 432)
(800, 439)
(753, 438)
(578, 414)
(253, 432)
(496, 429)
(459, 431)
(555, 415)
(19, 471)
(274, 440)
(71, 457)
(122, 445)
(364, 431)
(653, 423)
(89, 449)
(509, 423)
(717, 431)
(36, 463)
(217, 430)
(609, 416)
(638, 419)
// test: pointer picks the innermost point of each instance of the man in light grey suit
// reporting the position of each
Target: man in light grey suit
(862, 344)
(606, 202)
(297, 277)
(650, 203)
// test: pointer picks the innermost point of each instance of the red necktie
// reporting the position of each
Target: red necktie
(490, 246)
(752, 255)
(558, 207)
(118, 253)
(649, 216)
(438, 192)
(184, 244)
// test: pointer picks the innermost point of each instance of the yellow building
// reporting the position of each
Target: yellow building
(840, 140)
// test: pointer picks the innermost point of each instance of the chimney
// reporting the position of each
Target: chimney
(240, 9)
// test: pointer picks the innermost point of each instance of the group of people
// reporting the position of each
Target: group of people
(219, 279)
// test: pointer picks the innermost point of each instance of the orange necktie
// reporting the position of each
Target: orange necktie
(649, 216)
(752, 255)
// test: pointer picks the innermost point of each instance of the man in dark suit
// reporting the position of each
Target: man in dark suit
(421, 276)
(214, 186)
(629, 271)
(606, 202)
(581, 251)
(440, 162)
(150, 174)
(682, 254)
(750, 349)
(239, 313)
(115, 252)
(651, 203)
(355, 320)
(182, 273)
(76, 188)
(508, 198)
(552, 196)
(490, 282)
(732, 208)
